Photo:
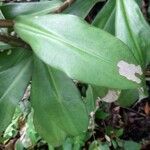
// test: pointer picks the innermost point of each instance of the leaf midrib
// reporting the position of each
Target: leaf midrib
(59, 98)
(56, 37)
(130, 32)
(111, 14)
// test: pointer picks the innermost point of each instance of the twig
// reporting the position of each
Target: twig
(14, 41)
(62, 7)
(6, 23)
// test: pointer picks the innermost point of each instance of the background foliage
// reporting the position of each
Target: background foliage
(63, 63)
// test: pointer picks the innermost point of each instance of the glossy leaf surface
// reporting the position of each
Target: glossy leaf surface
(56, 96)
(15, 74)
(81, 50)
(129, 25)
(133, 29)
(104, 21)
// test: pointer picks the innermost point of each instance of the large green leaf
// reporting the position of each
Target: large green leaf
(129, 25)
(56, 96)
(47, 128)
(133, 30)
(82, 51)
(15, 73)
(12, 10)
(106, 20)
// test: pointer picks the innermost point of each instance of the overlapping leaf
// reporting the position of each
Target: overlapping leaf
(128, 25)
(48, 129)
(56, 102)
(12, 10)
(15, 73)
(133, 29)
(81, 8)
(106, 20)
(79, 49)
(92, 94)
(128, 97)
(106, 17)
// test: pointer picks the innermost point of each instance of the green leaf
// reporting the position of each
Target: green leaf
(123, 24)
(89, 100)
(139, 2)
(106, 17)
(30, 133)
(104, 146)
(128, 97)
(81, 8)
(101, 115)
(114, 143)
(4, 46)
(67, 145)
(130, 145)
(12, 129)
(12, 10)
(79, 141)
(96, 145)
(15, 73)
(106, 20)
(133, 30)
(61, 104)
(99, 91)
(109, 130)
(125, 99)
(92, 93)
(118, 132)
(81, 50)
(50, 147)
(47, 128)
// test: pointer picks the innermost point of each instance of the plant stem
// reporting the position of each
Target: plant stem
(14, 41)
(6, 23)
(62, 7)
